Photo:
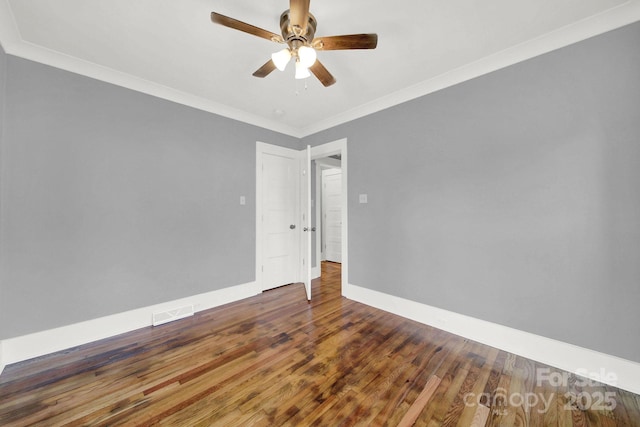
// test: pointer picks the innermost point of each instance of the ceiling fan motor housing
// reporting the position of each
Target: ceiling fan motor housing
(292, 35)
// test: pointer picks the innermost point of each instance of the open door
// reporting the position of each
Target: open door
(307, 229)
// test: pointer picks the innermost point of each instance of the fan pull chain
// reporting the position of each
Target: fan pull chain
(305, 87)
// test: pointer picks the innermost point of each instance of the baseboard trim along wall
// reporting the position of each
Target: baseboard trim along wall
(612, 370)
(26, 347)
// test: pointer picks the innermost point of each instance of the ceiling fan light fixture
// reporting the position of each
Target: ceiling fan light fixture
(298, 28)
(281, 58)
(302, 72)
(307, 56)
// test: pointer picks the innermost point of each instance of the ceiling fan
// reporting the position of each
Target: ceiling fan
(298, 28)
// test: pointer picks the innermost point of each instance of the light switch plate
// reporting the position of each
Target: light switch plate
(243, 200)
(363, 198)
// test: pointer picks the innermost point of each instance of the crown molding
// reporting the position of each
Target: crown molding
(607, 20)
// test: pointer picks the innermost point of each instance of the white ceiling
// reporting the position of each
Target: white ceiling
(171, 49)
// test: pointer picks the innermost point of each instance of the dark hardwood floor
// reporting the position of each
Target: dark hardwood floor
(275, 359)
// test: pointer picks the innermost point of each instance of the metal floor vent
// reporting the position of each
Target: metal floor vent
(171, 315)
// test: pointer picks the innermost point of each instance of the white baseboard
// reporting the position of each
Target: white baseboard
(625, 374)
(26, 347)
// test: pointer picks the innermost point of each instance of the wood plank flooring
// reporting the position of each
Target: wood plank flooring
(276, 359)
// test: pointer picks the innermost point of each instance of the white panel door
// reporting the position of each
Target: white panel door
(332, 214)
(280, 212)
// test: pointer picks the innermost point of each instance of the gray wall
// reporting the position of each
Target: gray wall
(513, 197)
(113, 200)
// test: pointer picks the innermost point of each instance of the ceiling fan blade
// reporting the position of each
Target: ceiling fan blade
(322, 74)
(350, 41)
(247, 28)
(299, 14)
(265, 70)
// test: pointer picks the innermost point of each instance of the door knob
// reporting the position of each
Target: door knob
(292, 226)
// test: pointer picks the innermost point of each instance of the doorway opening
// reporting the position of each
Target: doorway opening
(288, 230)
(326, 211)
(329, 210)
